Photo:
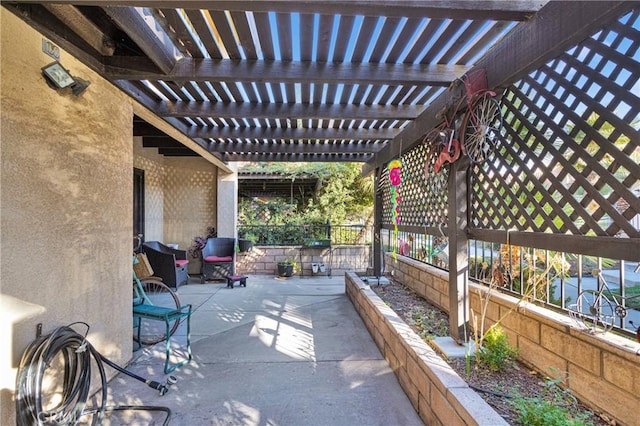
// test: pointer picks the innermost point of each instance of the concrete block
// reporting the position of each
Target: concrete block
(409, 388)
(571, 348)
(417, 376)
(621, 373)
(621, 404)
(473, 409)
(443, 409)
(426, 413)
(539, 357)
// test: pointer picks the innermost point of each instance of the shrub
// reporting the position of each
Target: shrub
(495, 353)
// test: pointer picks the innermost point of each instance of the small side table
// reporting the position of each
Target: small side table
(231, 279)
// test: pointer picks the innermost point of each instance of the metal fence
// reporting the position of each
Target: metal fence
(306, 235)
(558, 280)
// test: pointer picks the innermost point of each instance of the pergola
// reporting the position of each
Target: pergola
(306, 81)
(364, 81)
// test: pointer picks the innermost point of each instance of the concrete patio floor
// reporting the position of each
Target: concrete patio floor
(278, 352)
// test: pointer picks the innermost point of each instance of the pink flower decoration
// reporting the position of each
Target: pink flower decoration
(394, 176)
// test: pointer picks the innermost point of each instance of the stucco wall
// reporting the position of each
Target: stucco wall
(66, 206)
(180, 197)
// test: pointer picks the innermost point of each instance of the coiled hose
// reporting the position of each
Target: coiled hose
(65, 345)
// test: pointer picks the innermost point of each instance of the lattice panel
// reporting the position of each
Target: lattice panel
(419, 206)
(569, 161)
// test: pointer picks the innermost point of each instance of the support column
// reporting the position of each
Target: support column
(377, 224)
(228, 203)
(458, 251)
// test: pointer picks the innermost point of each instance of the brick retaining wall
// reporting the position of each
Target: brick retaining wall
(437, 393)
(262, 260)
(603, 370)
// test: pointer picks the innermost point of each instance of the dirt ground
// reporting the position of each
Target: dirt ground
(500, 389)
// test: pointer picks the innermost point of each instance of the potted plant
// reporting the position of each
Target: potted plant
(287, 267)
(195, 251)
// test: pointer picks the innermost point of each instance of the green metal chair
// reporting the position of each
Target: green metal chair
(143, 308)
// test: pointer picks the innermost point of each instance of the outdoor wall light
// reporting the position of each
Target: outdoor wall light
(58, 77)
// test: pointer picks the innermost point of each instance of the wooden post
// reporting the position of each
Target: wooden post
(377, 225)
(458, 251)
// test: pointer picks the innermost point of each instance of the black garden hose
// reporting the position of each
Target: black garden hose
(75, 352)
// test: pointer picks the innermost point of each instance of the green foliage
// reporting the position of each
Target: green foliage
(554, 408)
(495, 353)
(540, 412)
(427, 322)
(344, 196)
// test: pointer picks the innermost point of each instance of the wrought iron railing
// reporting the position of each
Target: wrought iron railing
(306, 235)
(550, 278)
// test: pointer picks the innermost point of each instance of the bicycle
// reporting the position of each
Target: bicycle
(152, 291)
(478, 129)
(594, 311)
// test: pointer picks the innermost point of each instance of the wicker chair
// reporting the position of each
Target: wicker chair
(218, 258)
(167, 263)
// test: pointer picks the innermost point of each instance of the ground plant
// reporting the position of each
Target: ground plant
(519, 394)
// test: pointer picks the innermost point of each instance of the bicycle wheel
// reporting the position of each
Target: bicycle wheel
(594, 311)
(436, 180)
(158, 294)
(481, 128)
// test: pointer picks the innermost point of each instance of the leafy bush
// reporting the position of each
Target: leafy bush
(494, 352)
(541, 412)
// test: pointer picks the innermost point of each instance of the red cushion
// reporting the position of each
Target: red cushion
(181, 263)
(218, 259)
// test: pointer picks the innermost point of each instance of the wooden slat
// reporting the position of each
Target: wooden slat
(403, 39)
(284, 36)
(244, 34)
(264, 34)
(306, 36)
(443, 39)
(226, 33)
(362, 42)
(174, 20)
(201, 27)
(386, 34)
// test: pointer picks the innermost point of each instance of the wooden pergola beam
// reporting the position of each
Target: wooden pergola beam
(195, 69)
(517, 10)
(270, 111)
(295, 148)
(133, 23)
(273, 157)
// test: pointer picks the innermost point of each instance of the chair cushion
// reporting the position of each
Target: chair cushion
(218, 259)
(181, 262)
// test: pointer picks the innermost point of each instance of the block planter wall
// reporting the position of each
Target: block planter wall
(437, 393)
(262, 260)
(603, 370)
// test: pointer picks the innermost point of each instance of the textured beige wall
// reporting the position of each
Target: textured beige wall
(66, 206)
(152, 163)
(180, 197)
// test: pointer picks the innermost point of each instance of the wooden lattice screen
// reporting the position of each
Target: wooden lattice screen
(569, 158)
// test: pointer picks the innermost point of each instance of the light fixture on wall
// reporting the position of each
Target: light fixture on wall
(59, 78)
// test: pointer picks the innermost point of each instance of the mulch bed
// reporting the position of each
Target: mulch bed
(496, 388)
